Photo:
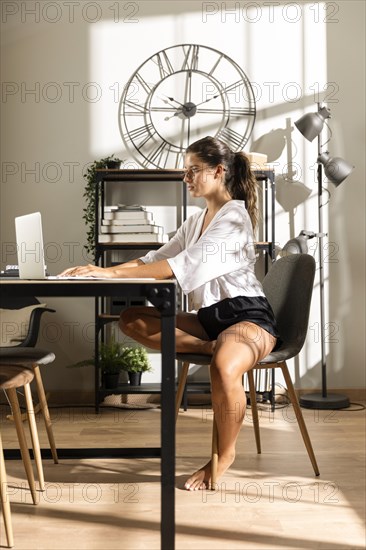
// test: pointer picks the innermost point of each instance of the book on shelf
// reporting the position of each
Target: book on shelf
(129, 207)
(124, 208)
(126, 222)
(128, 215)
(147, 228)
(133, 238)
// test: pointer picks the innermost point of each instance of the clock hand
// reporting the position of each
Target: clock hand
(227, 89)
(210, 99)
(172, 99)
(178, 112)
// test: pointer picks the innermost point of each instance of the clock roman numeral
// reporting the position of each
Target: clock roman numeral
(190, 62)
(215, 65)
(145, 133)
(163, 62)
(137, 109)
(230, 137)
(147, 87)
(156, 156)
(179, 160)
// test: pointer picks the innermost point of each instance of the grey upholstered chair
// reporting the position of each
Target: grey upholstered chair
(25, 353)
(288, 286)
(10, 303)
(33, 358)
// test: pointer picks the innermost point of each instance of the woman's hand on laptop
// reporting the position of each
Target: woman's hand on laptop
(87, 271)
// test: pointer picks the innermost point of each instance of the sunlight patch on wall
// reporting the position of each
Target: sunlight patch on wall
(115, 53)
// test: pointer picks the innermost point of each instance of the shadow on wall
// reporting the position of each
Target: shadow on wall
(290, 192)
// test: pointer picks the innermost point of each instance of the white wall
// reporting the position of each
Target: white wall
(77, 57)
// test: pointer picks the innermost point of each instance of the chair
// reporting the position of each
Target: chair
(36, 313)
(288, 287)
(11, 378)
(33, 358)
(5, 504)
(26, 353)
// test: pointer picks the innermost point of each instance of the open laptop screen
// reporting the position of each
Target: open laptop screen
(29, 238)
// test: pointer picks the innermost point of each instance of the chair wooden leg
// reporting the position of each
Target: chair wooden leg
(34, 435)
(299, 417)
(180, 389)
(45, 412)
(214, 454)
(12, 394)
(4, 497)
(253, 403)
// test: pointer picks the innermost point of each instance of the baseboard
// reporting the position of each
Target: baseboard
(86, 398)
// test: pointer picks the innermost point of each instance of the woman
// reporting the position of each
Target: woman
(212, 257)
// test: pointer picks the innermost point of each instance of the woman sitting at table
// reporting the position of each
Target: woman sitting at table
(212, 257)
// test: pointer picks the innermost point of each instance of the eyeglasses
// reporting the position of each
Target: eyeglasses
(192, 172)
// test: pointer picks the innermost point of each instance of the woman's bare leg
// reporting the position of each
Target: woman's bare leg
(143, 325)
(238, 349)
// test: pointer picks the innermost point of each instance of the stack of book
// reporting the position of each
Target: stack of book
(126, 224)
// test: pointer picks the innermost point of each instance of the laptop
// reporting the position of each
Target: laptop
(31, 261)
(29, 239)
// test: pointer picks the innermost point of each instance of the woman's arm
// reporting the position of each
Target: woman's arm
(156, 270)
(133, 263)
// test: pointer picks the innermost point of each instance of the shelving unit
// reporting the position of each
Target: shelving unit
(103, 317)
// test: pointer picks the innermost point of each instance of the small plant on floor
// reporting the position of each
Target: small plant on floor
(109, 362)
(135, 361)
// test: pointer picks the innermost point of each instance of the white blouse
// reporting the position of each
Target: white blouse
(220, 263)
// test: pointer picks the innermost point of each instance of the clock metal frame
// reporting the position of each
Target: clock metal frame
(178, 95)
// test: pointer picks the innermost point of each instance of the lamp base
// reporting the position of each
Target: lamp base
(331, 401)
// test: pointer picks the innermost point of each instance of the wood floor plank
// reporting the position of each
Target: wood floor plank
(267, 501)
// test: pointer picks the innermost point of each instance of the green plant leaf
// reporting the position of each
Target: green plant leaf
(89, 195)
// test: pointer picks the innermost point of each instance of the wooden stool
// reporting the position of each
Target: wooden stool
(11, 378)
(34, 358)
(5, 504)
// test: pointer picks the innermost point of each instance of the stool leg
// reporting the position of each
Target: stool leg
(45, 411)
(5, 504)
(253, 403)
(180, 389)
(34, 435)
(12, 394)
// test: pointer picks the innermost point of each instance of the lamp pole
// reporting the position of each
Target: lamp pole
(321, 272)
(323, 400)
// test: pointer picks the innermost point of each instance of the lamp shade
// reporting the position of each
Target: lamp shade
(298, 245)
(311, 124)
(335, 168)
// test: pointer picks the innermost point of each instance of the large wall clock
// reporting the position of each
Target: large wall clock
(180, 94)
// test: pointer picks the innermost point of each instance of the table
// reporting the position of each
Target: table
(162, 294)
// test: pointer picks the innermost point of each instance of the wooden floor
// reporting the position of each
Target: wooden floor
(265, 501)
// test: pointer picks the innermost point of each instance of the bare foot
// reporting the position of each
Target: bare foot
(201, 479)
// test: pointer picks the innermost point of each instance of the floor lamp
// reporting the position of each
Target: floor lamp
(336, 170)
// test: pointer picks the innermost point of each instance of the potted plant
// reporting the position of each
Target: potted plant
(134, 361)
(109, 362)
(110, 162)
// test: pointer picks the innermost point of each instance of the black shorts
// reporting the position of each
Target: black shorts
(228, 312)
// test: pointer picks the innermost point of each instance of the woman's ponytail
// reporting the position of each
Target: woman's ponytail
(244, 185)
